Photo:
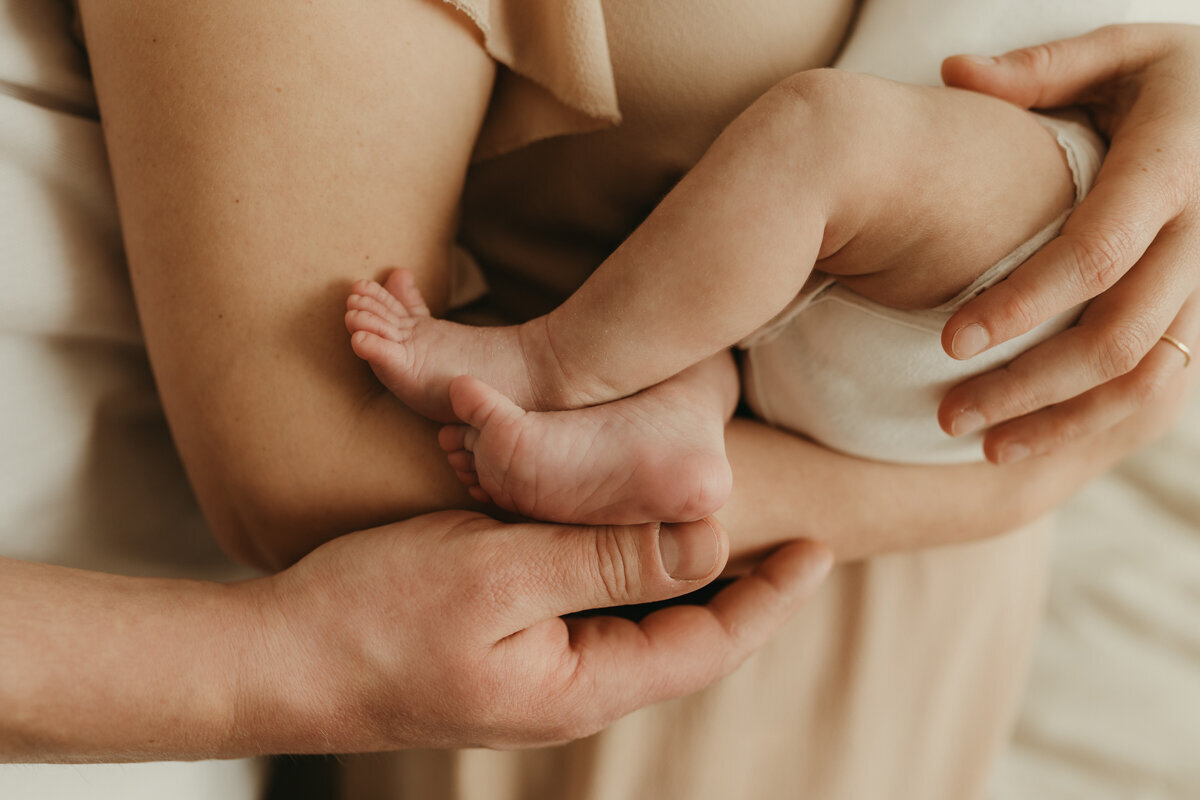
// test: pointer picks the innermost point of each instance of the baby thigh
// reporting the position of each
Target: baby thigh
(951, 182)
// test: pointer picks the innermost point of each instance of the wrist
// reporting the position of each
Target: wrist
(317, 666)
(288, 693)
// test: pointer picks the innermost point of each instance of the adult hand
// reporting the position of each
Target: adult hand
(1133, 243)
(445, 630)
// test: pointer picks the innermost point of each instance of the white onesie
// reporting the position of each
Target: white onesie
(866, 379)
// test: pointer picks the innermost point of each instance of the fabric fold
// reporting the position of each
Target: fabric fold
(556, 76)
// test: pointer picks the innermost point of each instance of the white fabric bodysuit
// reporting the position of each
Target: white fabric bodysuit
(866, 379)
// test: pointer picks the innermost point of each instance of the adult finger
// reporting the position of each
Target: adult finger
(1107, 404)
(618, 666)
(1108, 233)
(1060, 73)
(1110, 339)
(551, 570)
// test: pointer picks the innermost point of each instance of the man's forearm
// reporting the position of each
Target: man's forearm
(100, 667)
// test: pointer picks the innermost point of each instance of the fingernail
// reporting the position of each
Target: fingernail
(689, 550)
(967, 421)
(1011, 453)
(969, 341)
(983, 61)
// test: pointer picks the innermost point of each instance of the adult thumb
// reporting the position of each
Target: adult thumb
(1058, 73)
(581, 568)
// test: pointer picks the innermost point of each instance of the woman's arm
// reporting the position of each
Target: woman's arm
(384, 639)
(787, 487)
(266, 155)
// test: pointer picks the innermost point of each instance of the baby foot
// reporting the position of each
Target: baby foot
(416, 356)
(654, 456)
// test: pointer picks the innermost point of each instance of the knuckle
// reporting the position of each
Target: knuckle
(1064, 428)
(1019, 312)
(615, 563)
(1120, 352)
(1040, 59)
(1018, 400)
(1016, 395)
(1100, 259)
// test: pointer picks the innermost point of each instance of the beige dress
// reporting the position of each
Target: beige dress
(900, 679)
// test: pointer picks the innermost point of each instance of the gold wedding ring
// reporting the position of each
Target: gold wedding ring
(1180, 346)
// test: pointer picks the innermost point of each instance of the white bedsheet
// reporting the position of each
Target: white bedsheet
(1113, 707)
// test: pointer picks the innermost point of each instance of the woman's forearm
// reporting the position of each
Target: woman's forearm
(787, 487)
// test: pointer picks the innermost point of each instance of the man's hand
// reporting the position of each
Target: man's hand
(445, 630)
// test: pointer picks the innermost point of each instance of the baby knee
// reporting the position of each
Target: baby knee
(845, 102)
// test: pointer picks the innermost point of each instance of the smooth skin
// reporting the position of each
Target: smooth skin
(244, 172)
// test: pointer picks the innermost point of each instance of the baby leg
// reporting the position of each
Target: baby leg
(865, 174)
(658, 455)
(724, 251)
(983, 177)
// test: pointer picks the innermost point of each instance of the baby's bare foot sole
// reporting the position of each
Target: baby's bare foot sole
(635, 460)
(417, 356)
